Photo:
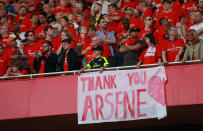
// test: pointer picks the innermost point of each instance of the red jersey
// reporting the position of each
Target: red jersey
(3, 41)
(9, 53)
(150, 55)
(143, 32)
(3, 65)
(65, 63)
(114, 24)
(172, 48)
(30, 50)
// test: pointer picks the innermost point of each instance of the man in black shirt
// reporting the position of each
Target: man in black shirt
(45, 62)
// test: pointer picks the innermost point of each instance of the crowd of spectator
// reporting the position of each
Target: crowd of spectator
(41, 36)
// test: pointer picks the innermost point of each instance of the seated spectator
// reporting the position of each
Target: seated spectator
(16, 69)
(67, 58)
(3, 61)
(98, 62)
(194, 47)
(46, 61)
(173, 48)
(151, 54)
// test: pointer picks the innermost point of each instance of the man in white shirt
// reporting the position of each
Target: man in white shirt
(198, 24)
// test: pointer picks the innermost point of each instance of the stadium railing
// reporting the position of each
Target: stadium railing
(92, 70)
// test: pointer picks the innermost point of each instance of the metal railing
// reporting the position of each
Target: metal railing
(92, 70)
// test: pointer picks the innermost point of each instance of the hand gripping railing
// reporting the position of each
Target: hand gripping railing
(92, 70)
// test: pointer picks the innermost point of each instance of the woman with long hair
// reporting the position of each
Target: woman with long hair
(151, 53)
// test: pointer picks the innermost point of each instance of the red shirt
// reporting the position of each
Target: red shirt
(114, 24)
(30, 50)
(40, 29)
(3, 41)
(9, 53)
(134, 23)
(65, 63)
(188, 6)
(3, 65)
(143, 32)
(160, 33)
(128, 4)
(150, 55)
(172, 48)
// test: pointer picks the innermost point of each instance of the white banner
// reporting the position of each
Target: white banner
(121, 95)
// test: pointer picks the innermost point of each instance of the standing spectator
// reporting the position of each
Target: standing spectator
(123, 34)
(81, 19)
(194, 47)
(67, 58)
(147, 28)
(22, 18)
(45, 62)
(34, 23)
(3, 61)
(107, 37)
(151, 54)
(131, 51)
(30, 48)
(4, 32)
(96, 13)
(97, 63)
(104, 4)
(66, 26)
(114, 16)
(198, 24)
(173, 48)
(43, 23)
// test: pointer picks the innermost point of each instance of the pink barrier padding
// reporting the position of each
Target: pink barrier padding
(21, 98)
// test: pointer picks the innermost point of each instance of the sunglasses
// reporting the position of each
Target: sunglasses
(149, 19)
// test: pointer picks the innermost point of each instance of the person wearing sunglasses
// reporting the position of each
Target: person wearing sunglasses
(147, 29)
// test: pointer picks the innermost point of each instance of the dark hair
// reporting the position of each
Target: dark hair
(46, 29)
(4, 16)
(102, 17)
(43, 13)
(27, 33)
(65, 18)
(114, 6)
(134, 30)
(48, 43)
(92, 27)
(82, 14)
(23, 7)
(32, 15)
(167, 1)
(160, 21)
(98, 4)
(1, 46)
(66, 41)
(151, 38)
